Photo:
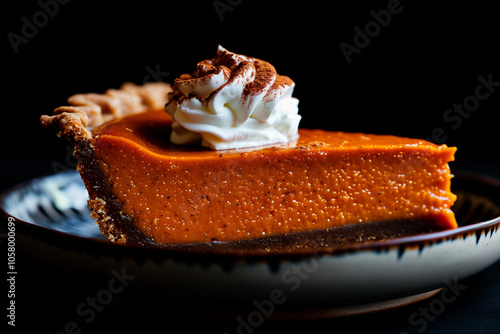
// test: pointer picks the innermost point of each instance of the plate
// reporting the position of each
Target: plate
(52, 225)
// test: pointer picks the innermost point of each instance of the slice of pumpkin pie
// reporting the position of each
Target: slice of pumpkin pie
(219, 156)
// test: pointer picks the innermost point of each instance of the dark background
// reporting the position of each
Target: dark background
(426, 59)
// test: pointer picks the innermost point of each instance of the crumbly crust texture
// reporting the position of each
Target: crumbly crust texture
(75, 122)
(87, 111)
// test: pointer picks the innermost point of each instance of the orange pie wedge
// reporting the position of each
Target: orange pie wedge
(145, 190)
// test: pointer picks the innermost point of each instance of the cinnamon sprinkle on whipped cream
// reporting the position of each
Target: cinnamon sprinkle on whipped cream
(233, 101)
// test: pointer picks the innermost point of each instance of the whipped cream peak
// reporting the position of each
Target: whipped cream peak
(233, 101)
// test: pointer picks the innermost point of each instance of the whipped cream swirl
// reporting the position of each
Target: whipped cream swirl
(233, 101)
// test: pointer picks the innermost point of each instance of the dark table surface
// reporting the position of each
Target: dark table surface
(46, 298)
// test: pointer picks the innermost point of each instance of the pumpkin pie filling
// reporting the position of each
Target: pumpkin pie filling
(146, 189)
(324, 179)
